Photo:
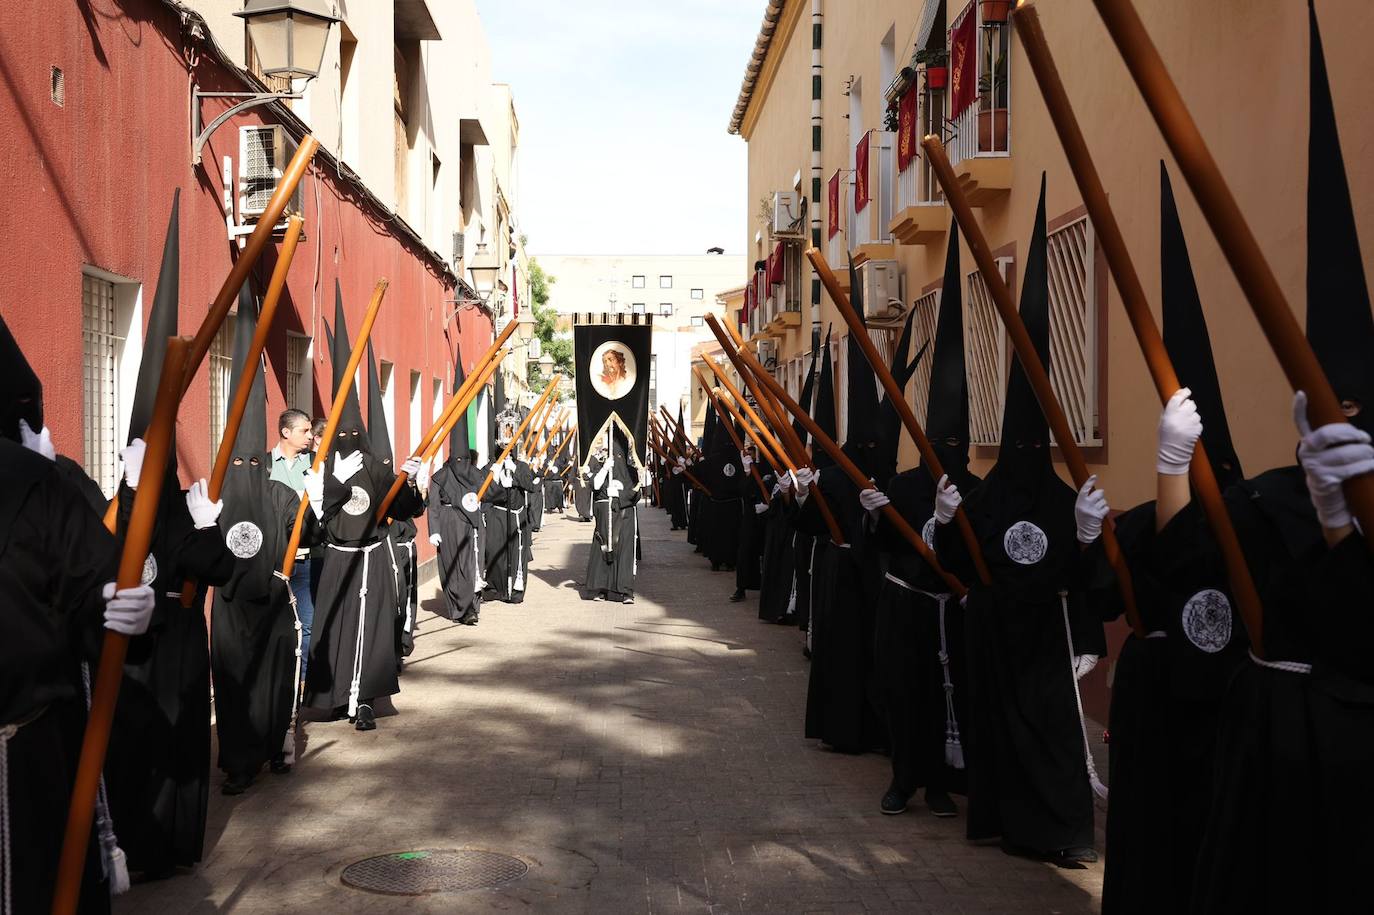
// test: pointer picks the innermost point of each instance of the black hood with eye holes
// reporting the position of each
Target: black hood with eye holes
(351, 434)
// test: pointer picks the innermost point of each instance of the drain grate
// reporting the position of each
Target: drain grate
(420, 873)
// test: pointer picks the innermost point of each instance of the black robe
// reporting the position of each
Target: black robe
(582, 490)
(553, 488)
(401, 538)
(613, 561)
(535, 501)
(719, 530)
(55, 558)
(1288, 829)
(1166, 697)
(1028, 775)
(749, 555)
(508, 551)
(255, 636)
(461, 530)
(157, 771)
(920, 657)
(675, 497)
(777, 593)
(353, 642)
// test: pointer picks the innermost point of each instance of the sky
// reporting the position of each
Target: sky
(623, 108)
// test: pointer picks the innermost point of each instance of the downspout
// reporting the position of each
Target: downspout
(817, 21)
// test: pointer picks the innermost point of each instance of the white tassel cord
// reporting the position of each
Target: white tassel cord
(112, 858)
(1098, 788)
(289, 743)
(954, 746)
(362, 621)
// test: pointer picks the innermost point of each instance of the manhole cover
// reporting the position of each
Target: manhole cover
(419, 873)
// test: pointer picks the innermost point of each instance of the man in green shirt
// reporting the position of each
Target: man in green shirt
(290, 460)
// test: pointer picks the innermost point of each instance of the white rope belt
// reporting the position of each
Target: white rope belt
(362, 619)
(954, 745)
(1157, 634)
(1292, 667)
(289, 743)
(1098, 788)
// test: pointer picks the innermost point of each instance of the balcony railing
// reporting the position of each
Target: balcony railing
(983, 130)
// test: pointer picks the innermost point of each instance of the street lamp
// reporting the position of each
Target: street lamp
(289, 37)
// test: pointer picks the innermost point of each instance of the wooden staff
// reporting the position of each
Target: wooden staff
(760, 428)
(859, 478)
(563, 444)
(673, 431)
(759, 441)
(1238, 244)
(536, 426)
(897, 397)
(288, 563)
(1137, 307)
(457, 404)
(735, 351)
(110, 668)
(685, 472)
(727, 419)
(548, 392)
(1030, 361)
(251, 365)
(547, 440)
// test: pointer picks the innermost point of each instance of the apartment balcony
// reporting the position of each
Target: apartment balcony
(870, 235)
(980, 146)
(921, 216)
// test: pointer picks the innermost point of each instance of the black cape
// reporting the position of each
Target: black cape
(461, 529)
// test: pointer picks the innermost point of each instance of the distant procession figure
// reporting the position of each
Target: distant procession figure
(582, 488)
(509, 544)
(613, 562)
(457, 527)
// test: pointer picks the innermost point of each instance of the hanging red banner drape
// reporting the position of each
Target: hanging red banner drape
(775, 266)
(833, 205)
(963, 54)
(748, 301)
(906, 129)
(861, 174)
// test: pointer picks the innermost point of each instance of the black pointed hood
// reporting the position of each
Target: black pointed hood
(1187, 340)
(947, 422)
(351, 434)
(498, 403)
(681, 433)
(1339, 324)
(459, 439)
(251, 440)
(865, 443)
(379, 434)
(824, 414)
(807, 392)
(1025, 451)
(21, 392)
(162, 323)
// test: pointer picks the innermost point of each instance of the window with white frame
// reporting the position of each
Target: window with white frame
(385, 372)
(698, 294)
(792, 274)
(416, 417)
(665, 282)
(221, 365)
(299, 393)
(438, 401)
(637, 282)
(665, 309)
(698, 321)
(112, 345)
(637, 308)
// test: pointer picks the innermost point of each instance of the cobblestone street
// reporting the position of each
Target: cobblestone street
(639, 758)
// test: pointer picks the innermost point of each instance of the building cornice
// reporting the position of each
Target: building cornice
(758, 73)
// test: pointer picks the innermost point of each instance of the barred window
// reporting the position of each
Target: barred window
(923, 333)
(99, 343)
(985, 355)
(298, 378)
(416, 421)
(221, 362)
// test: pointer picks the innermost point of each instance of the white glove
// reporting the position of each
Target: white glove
(805, 477)
(1083, 664)
(1329, 456)
(509, 464)
(784, 482)
(677, 469)
(682, 462)
(346, 468)
(615, 488)
(873, 499)
(128, 611)
(422, 477)
(1089, 510)
(435, 539)
(314, 490)
(204, 513)
(746, 460)
(947, 500)
(600, 479)
(1180, 426)
(40, 442)
(411, 468)
(133, 461)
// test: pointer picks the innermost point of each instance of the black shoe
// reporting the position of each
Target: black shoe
(893, 802)
(737, 596)
(280, 767)
(940, 803)
(1079, 854)
(629, 599)
(365, 721)
(715, 567)
(236, 784)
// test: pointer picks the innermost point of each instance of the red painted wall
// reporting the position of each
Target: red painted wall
(91, 183)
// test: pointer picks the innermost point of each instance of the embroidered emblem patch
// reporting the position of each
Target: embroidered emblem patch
(1025, 543)
(928, 532)
(244, 539)
(470, 502)
(149, 570)
(729, 470)
(359, 503)
(1207, 620)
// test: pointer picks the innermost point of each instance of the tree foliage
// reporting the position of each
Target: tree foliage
(559, 346)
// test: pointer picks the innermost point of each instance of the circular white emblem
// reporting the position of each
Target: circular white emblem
(244, 540)
(359, 503)
(928, 532)
(729, 470)
(1207, 620)
(470, 502)
(149, 570)
(1025, 543)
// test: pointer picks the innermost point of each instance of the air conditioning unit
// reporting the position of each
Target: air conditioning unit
(768, 352)
(789, 214)
(457, 249)
(881, 281)
(263, 155)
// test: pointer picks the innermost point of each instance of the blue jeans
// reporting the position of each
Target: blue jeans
(305, 606)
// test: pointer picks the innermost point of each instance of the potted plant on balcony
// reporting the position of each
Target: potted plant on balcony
(994, 10)
(992, 111)
(937, 66)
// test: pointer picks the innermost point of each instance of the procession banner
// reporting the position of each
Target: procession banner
(612, 354)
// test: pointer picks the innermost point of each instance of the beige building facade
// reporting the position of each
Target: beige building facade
(1244, 77)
